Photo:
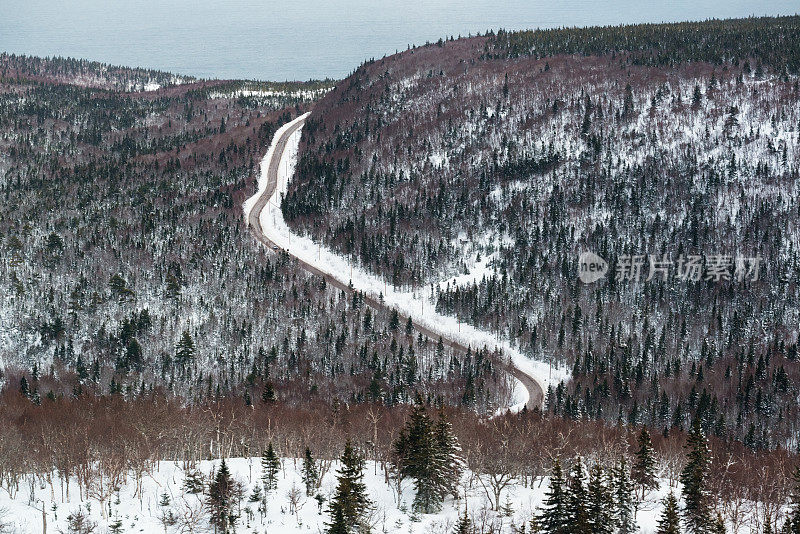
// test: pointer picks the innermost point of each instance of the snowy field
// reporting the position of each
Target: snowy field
(416, 304)
(142, 511)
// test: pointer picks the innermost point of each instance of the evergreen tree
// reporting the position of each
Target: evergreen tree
(644, 467)
(270, 467)
(310, 473)
(349, 503)
(449, 462)
(256, 495)
(694, 477)
(338, 524)
(623, 497)
(115, 527)
(24, 389)
(422, 462)
(185, 350)
(394, 320)
(554, 517)
(792, 524)
(697, 97)
(600, 502)
(577, 499)
(220, 500)
(464, 525)
(627, 106)
(430, 454)
(718, 525)
(669, 522)
(194, 482)
(268, 395)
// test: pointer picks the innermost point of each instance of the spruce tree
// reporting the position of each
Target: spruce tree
(644, 467)
(669, 522)
(256, 495)
(792, 524)
(623, 497)
(718, 525)
(423, 463)
(185, 350)
(310, 473)
(464, 525)
(349, 504)
(577, 500)
(694, 477)
(449, 462)
(270, 467)
(429, 455)
(194, 482)
(220, 500)
(600, 502)
(554, 517)
(627, 106)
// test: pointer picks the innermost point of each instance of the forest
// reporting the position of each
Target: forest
(501, 169)
(146, 339)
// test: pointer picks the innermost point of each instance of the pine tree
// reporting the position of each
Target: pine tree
(627, 106)
(577, 500)
(623, 497)
(718, 525)
(270, 467)
(310, 473)
(220, 500)
(554, 517)
(394, 320)
(697, 97)
(349, 503)
(24, 389)
(422, 463)
(256, 495)
(644, 468)
(464, 525)
(338, 524)
(194, 482)
(449, 462)
(694, 477)
(669, 523)
(418, 458)
(600, 502)
(185, 350)
(268, 395)
(792, 524)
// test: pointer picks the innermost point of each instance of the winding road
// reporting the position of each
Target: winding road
(254, 222)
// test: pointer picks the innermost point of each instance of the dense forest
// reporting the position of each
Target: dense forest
(505, 158)
(143, 328)
(765, 41)
(127, 268)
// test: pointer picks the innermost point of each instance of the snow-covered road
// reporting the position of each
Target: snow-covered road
(263, 215)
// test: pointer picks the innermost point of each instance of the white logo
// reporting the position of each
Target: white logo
(591, 267)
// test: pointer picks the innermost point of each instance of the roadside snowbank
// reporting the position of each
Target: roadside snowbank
(415, 304)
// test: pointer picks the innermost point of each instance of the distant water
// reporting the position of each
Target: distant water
(280, 40)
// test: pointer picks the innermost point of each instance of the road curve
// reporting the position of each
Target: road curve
(535, 392)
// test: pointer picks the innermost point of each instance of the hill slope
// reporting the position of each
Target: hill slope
(492, 151)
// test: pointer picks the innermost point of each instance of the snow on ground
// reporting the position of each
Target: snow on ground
(142, 512)
(307, 94)
(416, 304)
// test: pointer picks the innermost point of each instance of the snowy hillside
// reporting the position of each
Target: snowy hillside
(137, 505)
